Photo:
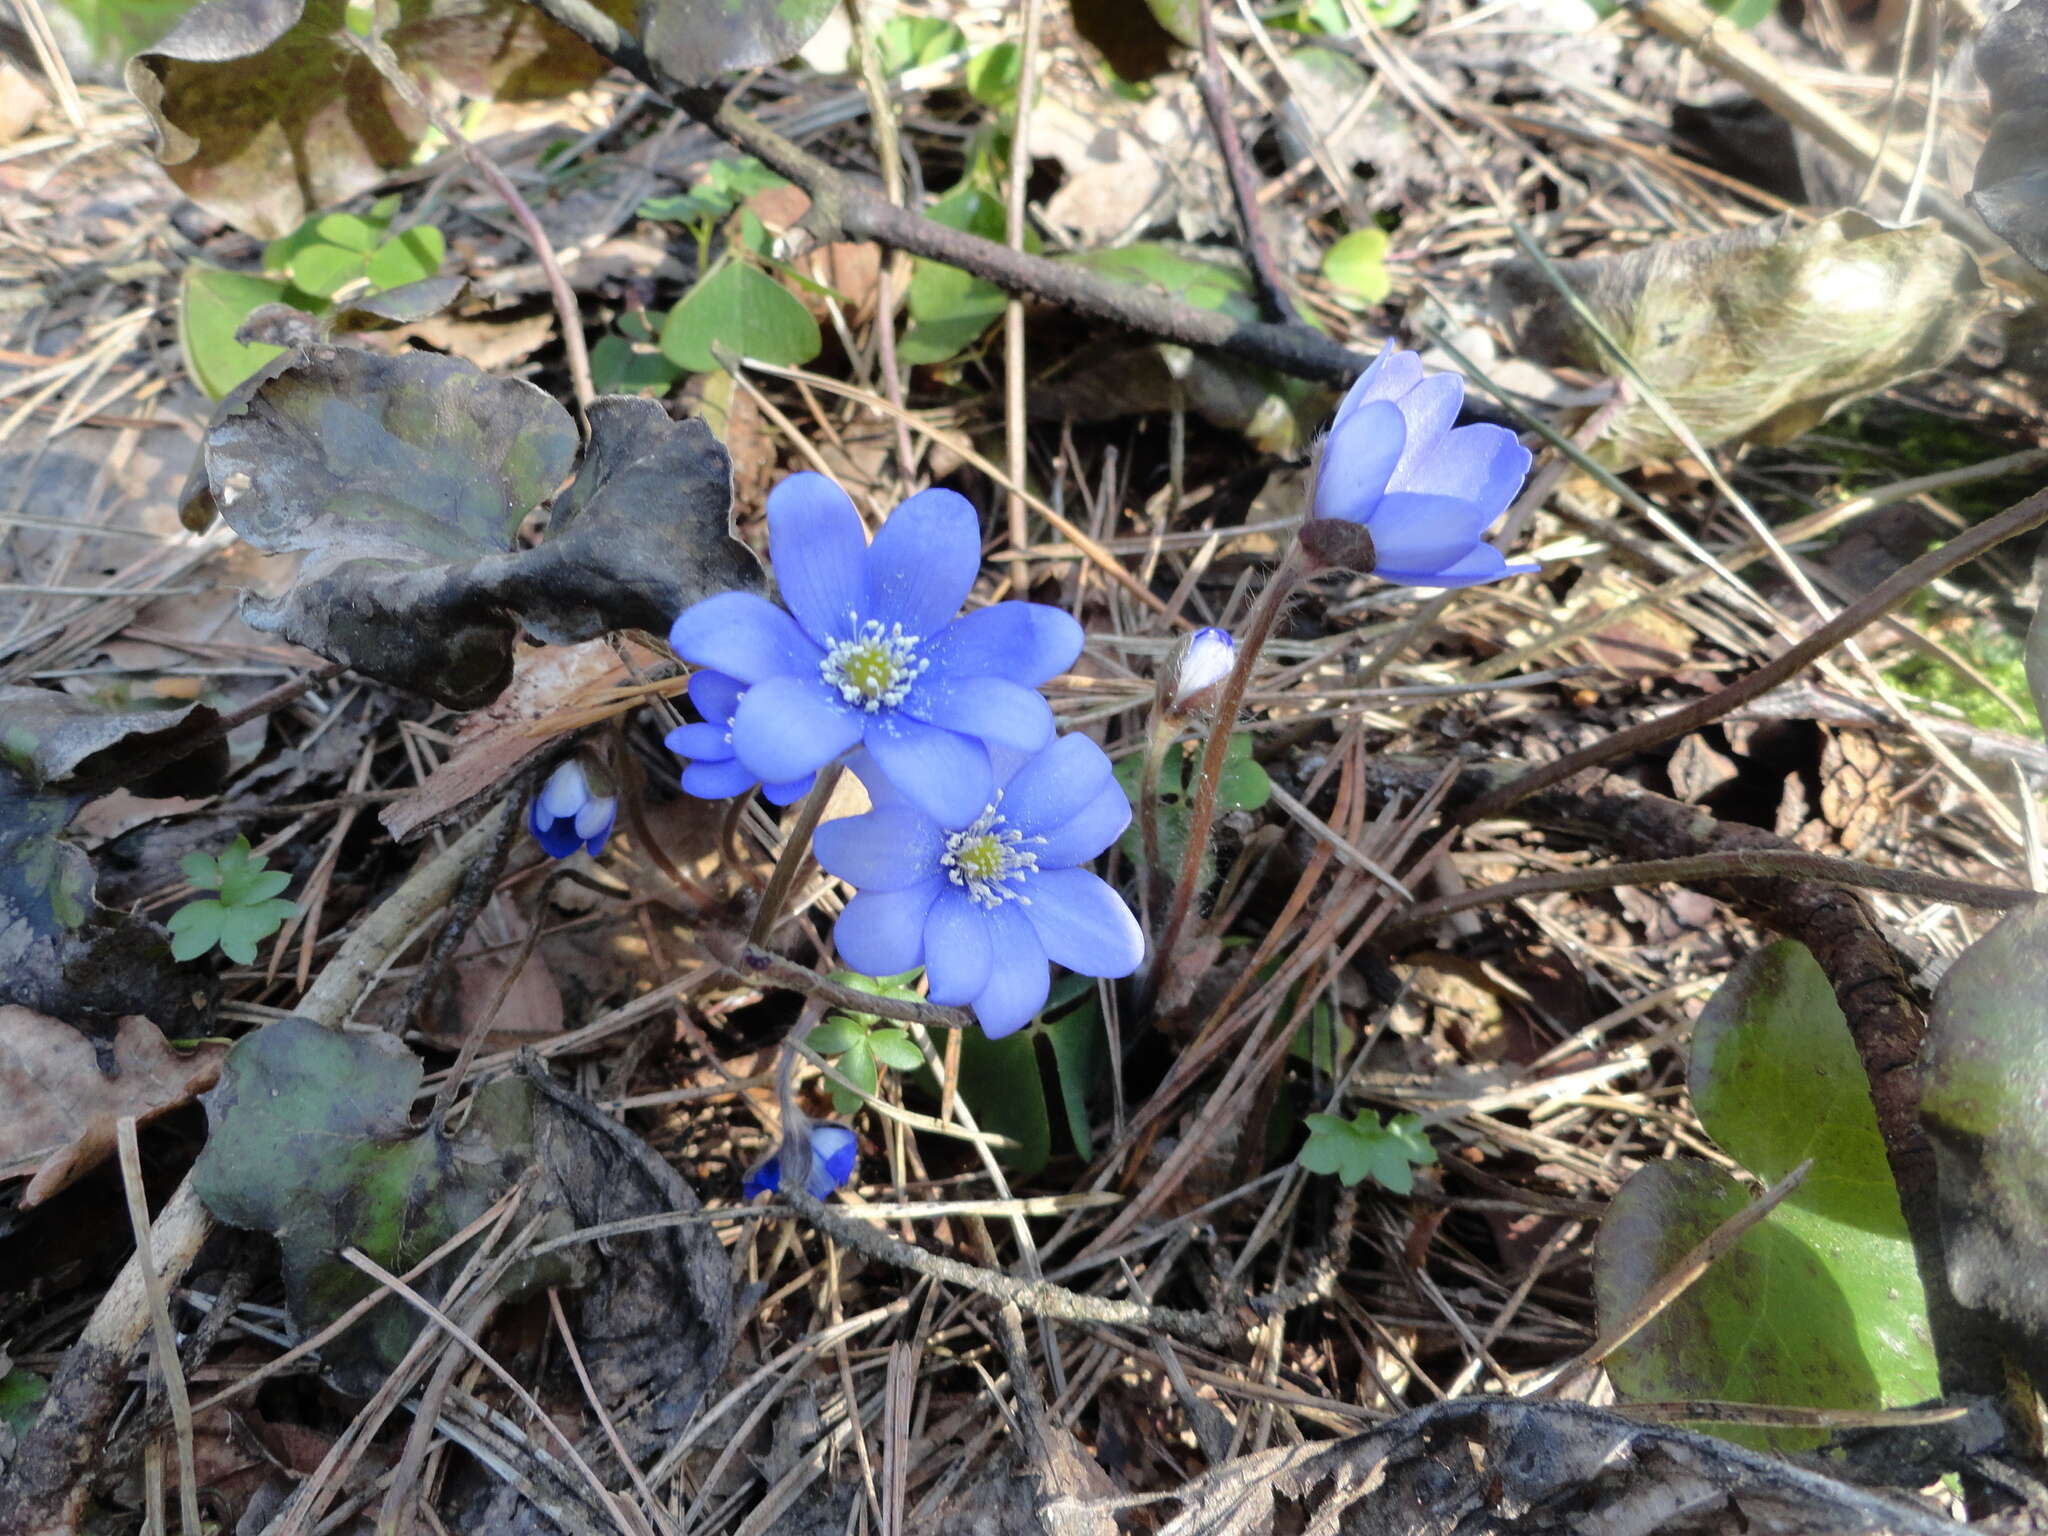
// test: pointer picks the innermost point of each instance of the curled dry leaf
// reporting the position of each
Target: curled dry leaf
(405, 479)
(64, 1093)
(2011, 191)
(696, 41)
(1758, 333)
(264, 110)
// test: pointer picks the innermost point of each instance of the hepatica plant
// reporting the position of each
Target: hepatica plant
(973, 859)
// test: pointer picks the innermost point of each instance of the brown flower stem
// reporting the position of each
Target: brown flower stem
(795, 849)
(1294, 565)
(1244, 186)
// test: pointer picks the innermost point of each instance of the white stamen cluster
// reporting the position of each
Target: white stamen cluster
(875, 667)
(988, 860)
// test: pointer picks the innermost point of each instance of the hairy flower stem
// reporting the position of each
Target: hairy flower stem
(1294, 565)
(1161, 733)
(795, 849)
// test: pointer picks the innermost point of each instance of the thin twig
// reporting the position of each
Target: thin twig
(1892, 593)
(862, 213)
(1745, 863)
(386, 64)
(796, 847)
(160, 1319)
(1015, 436)
(1244, 186)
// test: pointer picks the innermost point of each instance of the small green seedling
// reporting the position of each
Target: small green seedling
(861, 1044)
(246, 911)
(1364, 1145)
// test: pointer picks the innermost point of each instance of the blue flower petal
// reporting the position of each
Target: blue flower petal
(1083, 924)
(1483, 564)
(820, 556)
(881, 933)
(994, 709)
(957, 953)
(763, 1180)
(744, 636)
(1428, 411)
(557, 839)
(881, 851)
(787, 727)
(1083, 836)
(566, 790)
(596, 818)
(788, 791)
(834, 1151)
(710, 743)
(1420, 533)
(718, 778)
(715, 695)
(1392, 374)
(923, 563)
(1357, 458)
(1051, 787)
(1481, 464)
(1018, 979)
(942, 773)
(1027, 643)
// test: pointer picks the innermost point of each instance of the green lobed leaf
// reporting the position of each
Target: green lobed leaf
(412, 256)
(857, 1065)
(1365, 1147)
(1984, 1082)
(741, 308)
(212, 304)
(1820, 1305)
(835, 1034)
(895, 1049)
(618, 366)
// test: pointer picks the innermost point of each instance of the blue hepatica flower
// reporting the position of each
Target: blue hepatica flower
(871, 651)
(712, 772)
(833, 1154)
(1204, 661)
(983, 901)
(574, 809)
(1424, 490)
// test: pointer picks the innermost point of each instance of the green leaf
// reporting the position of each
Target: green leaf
(1365, 1147)
(1193, 280)
(999, 1080)
(1242, 785)
(1744, 13)
(686, 207)
(836, 1034)
(905, 42)
(950, 308)
(113, 29)
(857, 1066)
(212, 304)
(1820, 1305)
(350, 231)
(195, 928)
(621, 367)
(895, 1050)
(202, 871)
(993, 76)
(694, 42)
(410, 257)
(21, 1398)
(1080, 1058)
(323, 270)
(744, 310)
(1984, 1080)
(1356, 265)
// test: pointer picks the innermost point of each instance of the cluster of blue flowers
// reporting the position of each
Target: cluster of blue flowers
(972, 861)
